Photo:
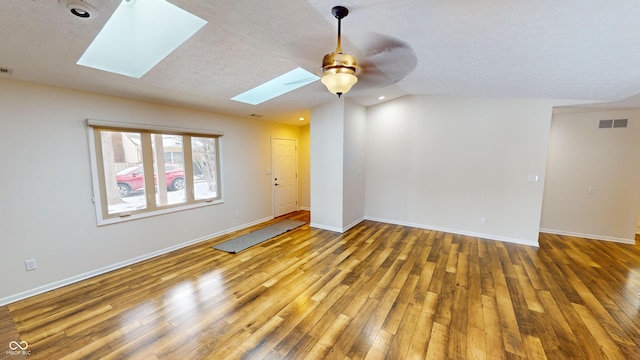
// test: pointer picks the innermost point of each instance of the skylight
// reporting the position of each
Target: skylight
(284, 83)
(139, 34)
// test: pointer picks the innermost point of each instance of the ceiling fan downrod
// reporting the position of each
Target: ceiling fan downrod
(339, 12)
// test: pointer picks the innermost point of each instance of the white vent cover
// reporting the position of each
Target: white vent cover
(613, 123)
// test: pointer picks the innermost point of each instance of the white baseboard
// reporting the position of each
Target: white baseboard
(337, 229)
(325, 227)
(456, 231)
(358, 221)
(71, 280)
(589, 236)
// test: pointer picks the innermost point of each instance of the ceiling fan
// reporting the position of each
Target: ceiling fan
(388, 60)
(338, 69)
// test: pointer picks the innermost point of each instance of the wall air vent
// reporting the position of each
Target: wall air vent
(605, 124)
(620, 123)
(5, 70)
(613, 123)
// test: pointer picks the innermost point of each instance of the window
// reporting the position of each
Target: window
(141, 171)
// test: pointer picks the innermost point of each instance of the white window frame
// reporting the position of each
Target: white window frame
(104, 218)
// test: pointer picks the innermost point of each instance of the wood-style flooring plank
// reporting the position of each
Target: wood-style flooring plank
(378, 291)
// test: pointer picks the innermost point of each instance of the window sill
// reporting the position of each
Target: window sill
(143, 215)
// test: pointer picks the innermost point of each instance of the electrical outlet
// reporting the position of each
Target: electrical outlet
(30, 264)
(483, 220)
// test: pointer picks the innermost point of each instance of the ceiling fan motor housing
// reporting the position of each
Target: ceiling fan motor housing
(338, 62)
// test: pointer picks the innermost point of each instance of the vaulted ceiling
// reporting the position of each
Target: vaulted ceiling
(569, 49)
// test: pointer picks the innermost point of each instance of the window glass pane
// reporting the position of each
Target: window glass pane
(170, 187)
(205, 172)
(123, 172)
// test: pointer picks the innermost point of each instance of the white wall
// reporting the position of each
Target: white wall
(304, 202)
(445, 163)
(327, 134)
(582, 156)
(45, 202)
(338, 145)
(354, 158)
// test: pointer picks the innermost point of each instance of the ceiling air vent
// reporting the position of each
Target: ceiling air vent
(614, 123)
(5, 70)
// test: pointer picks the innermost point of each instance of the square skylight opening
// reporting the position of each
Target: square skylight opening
(282, 84)
(138, 36)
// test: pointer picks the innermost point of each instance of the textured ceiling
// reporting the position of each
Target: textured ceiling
(563, 49)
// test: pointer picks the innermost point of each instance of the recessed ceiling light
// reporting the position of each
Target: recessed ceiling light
(301, 119)
(79, 8)
(381, 97)
(80, 12)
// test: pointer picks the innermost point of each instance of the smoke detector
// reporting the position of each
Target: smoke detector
(79, 8)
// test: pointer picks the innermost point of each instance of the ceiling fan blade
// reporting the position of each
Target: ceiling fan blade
(392, 57)
(305, 80)
(371, 77)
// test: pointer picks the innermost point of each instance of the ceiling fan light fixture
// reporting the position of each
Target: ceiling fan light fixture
(339, 80)
(339, 73)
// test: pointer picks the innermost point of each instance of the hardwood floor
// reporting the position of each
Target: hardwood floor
(377, 291)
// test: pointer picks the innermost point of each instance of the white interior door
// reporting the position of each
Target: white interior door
(284, 157)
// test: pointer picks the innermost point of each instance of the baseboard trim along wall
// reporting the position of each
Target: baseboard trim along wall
(325, 227)
(458, 232)
(337, 229)
(589, 236)
(106, 269)
(358, 221)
